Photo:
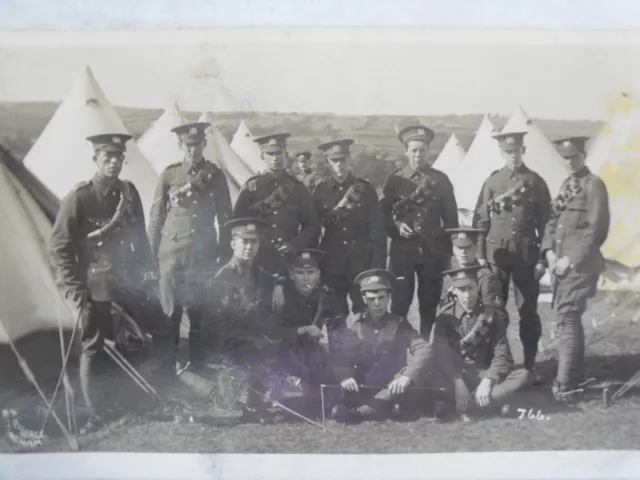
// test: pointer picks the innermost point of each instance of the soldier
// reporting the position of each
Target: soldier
(578, 227)
(239, 305)
(418, 205)
(353, 226)
(380, 357)
(513, 208)
(465, 251)
(307, 175)
(476, 354)
(191, 195)
(101, 251)
(284, 203)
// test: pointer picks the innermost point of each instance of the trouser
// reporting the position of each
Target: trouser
(430, 284)
(526, 293)
(196, 344)
(570, 302)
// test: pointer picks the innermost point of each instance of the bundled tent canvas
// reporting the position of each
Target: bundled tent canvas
(242, 143)
(450, 157)
(61, 156)
(540, 155)
(484, 157)
(218, 147)
(158, 143)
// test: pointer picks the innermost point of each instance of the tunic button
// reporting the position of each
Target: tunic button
(344, 242)
(195, 201)
(273, 225)
(560, 226)
(375, 331)
(419, 214)
(344, 228)
(194, 215)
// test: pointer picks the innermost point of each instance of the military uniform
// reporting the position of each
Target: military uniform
(101, 252)
(376, 352)
(308, 176)
(513, 208)
(284, 203)
(353, 229)
(578, 227)
(188, 201)
(425, 201)
(475, 343)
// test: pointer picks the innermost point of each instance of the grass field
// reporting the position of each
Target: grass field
(613, 354)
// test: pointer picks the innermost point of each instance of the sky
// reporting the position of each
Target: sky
(403, 72)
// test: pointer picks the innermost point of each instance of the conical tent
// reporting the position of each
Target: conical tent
(62, 157)
(617, 162)
(450, 157)
(540, 155)
(218, 147)
(242, 143)
(159, 144)
(484, 157)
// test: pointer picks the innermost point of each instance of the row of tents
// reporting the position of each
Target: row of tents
(61, 157)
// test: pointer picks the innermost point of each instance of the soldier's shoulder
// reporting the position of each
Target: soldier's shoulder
(393, 174)
(359, 317)
(212, 167)
(446, 304)
(81, 186)
(294, 179)
(254, 182)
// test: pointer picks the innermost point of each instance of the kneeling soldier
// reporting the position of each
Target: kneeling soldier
(472, 348)
(371, 358)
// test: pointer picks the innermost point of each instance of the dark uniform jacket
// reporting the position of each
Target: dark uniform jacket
(89, 206)
(285, 204)
(425, 201)
(353, 225)
(309, 180)
(485, 349)
(515, 229)
(371, 351)
(580, 222)
(489, 289)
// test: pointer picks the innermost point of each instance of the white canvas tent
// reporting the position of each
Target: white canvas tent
(242, 143)
(61, 156)
(540, 155)
(484, 156)
(450, 157)
(158, 143)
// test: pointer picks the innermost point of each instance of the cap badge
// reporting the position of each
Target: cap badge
(250, 227)
(372, 280)
(193, 131)
(116, 140)
(567, 143)
(272, 141)
(306, 255)
(510, 140)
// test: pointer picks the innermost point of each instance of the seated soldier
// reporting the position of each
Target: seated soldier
(380, 357)
(471, 345)
(305, 324)
(240, 300)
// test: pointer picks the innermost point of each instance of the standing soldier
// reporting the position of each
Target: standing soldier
(307, 175)
(578, 227)
(418, 205)
(284, 203)
(476, 355)
(513, 208)
(190, 197)
(353, 226)
(101, 251)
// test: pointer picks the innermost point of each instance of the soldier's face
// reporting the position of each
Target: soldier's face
(275, 161)
(465, 255)
(245, 248)
(417, 153)
(377, 302)
(304, 164)
(574, 163)
(305, 278)
(341, 167)
(192, 151)
(109, 164)
(467, 295)
(513, 158)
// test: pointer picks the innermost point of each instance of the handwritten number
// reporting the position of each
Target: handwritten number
(522, 411)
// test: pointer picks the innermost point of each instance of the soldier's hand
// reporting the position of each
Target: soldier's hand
(483, 393)
(350, 385)
(311, 331)
(277, 298)
(461, 394)
(539, 272)
(399, 385)
(562, 265)
(551, 260)
(405, 231)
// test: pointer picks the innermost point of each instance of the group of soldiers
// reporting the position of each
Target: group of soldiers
(267, 291)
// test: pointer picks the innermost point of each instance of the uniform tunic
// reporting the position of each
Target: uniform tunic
(353, 235)
(286, 205)
(578, 227)
(475, 356)
(428, 253)
(89, 206)
(512, 243)
(309, 179)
